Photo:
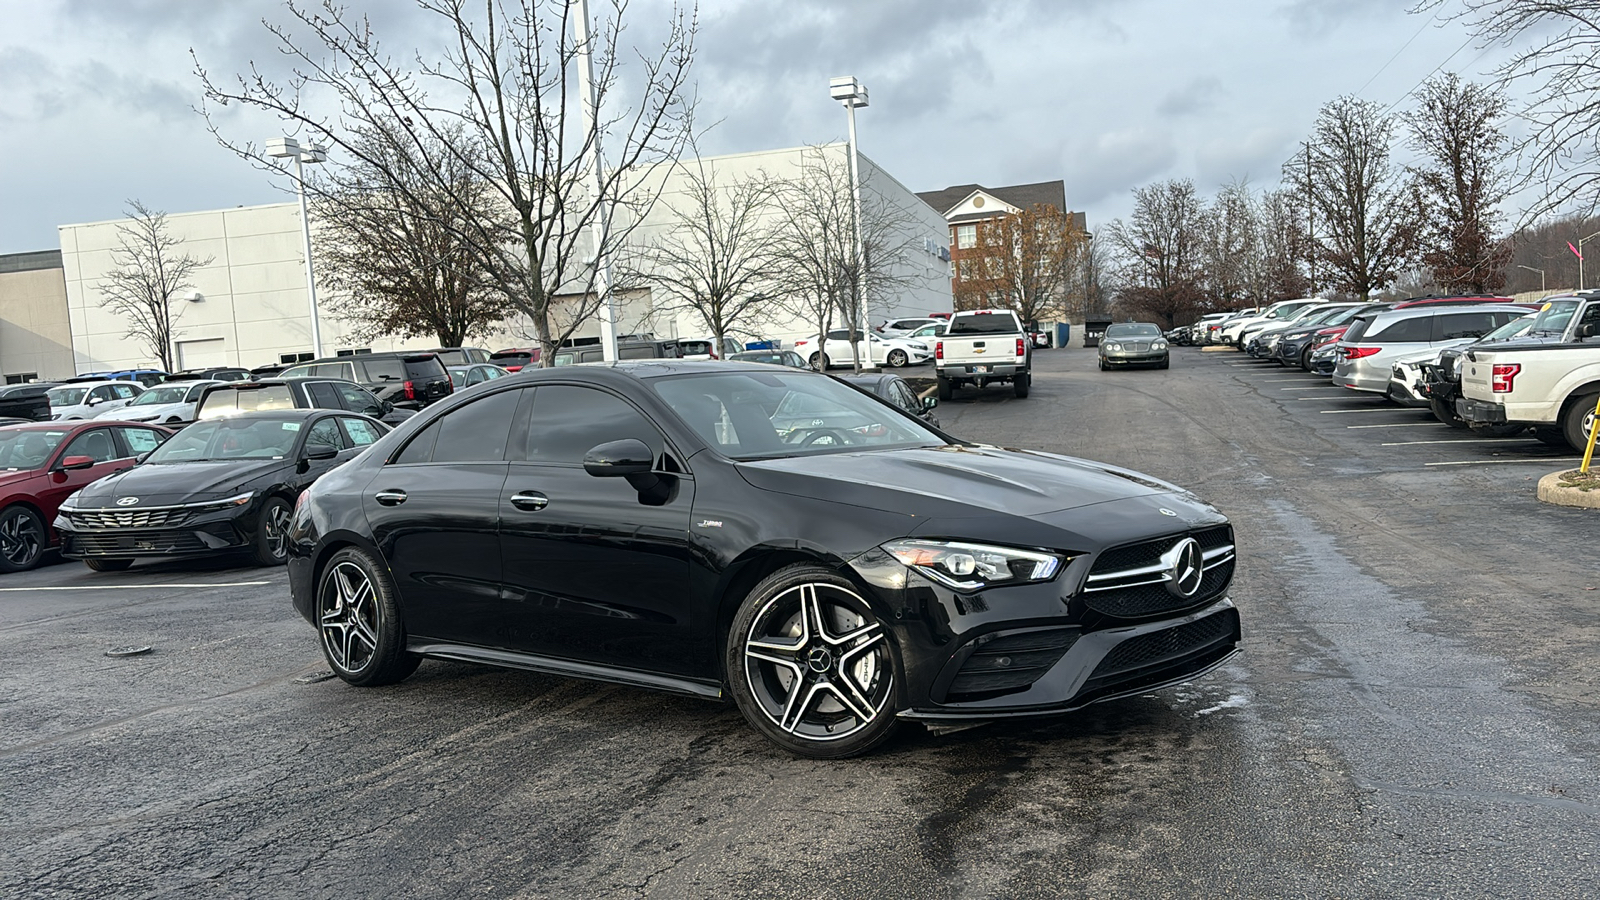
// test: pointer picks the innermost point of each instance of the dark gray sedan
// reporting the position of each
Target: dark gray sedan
(1133, 344)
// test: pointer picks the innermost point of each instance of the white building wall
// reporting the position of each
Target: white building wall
(254, 306)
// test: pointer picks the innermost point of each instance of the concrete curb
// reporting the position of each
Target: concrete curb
(1219, 348)
(1551, 490)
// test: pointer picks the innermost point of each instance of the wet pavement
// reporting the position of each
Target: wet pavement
(1413, 715)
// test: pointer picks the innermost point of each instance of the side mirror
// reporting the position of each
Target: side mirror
(142, 457)
(1589, 330)
(92, 401)
(385, 408)
(73, 463)
(321, 451)
(929, 402)
(629, 456)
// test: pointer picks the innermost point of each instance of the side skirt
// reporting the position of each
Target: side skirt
(567, 667)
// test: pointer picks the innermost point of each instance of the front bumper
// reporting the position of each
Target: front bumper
(171, 537)
(1406, 389)
(1125, 358)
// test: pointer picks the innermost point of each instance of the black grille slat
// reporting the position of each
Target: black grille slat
(1141, 600)
(138, 542)
(1162, 646)
(135, 518)
(1010, 662)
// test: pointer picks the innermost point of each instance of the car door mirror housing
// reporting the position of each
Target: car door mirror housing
(73, 463)
(321, 451)
(92, 401)
(1589, 330)
(930, 402)
(629, 456)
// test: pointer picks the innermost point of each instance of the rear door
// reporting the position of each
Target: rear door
(99, 444)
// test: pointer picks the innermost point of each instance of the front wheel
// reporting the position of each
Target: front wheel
(359, 622)
(22, 539)
(271, 547)
(1550, 434)
(1020, 385)
(897, 359)
(810, 666)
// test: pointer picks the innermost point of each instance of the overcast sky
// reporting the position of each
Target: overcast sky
(96, 96)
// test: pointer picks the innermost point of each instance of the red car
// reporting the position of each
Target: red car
(43, 463)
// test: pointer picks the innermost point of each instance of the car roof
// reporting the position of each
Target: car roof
(89, 383)
(67, 425)
(296, 413)
(644, 369)
(1412, 312)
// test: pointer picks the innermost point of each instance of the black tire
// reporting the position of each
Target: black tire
(819, 361)
(897, 359)
(358, 621)
(805, 627)
(271, 546)
(23, 539)
(946, 390)
(1553, 435)
(1020, 385)
(1580, 411)
(1165, 364)
(1445, 411)
(1102, 364)
(109, 565)
(1305, 358)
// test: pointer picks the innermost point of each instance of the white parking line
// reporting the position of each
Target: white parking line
(130, 586)
(1510, 440)
(1341, 397)
(1314, 387)
(1542, 460)
(1379, 409)
(1302, 378)
(1397, 424)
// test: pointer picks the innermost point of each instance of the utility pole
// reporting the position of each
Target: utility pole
(589, 103)
(1311, 223)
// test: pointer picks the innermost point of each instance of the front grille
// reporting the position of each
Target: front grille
(137, 518)
(1131, 582)
(1005, 663)
(129, 542)
(1159, 647)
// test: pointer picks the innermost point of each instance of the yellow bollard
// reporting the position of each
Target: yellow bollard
(1594, 429)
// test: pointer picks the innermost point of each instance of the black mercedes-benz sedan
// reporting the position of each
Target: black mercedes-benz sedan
(219, 486)
(658, 524)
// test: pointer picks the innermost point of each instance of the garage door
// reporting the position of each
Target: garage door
(201, 354)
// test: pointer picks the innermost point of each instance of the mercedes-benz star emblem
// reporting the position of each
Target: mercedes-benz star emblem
(127, 501)
(1185, 568)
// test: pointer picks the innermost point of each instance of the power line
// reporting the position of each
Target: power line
(1397, 53)
(1430, 74)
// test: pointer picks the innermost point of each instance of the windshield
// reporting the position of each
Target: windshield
(760, 415)
(1286, 311)
(775, 358)
(1510, 329)
(1554, 317)
(1132, 329)
(458, 377)
(156, 395)
(27, 449)
(1344, 315)
(984, 323)
(224, 401)
(229, 439)
(66, 396)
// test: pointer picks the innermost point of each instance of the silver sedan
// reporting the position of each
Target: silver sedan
(1133, 344)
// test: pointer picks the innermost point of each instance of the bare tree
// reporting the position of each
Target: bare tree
(715, 255)
(1229, 245)
(1367, 217)
(150, 276)
(506, 102)
(1461, 182)
(1559, 157)
(1542, 260)
(1089, 282)
(1159, 251)
(389, 243)
(1275, 272)
(819, 270)
(1023, 261)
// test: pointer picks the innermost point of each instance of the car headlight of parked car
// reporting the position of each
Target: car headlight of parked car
(1113, 347)
(1158, 345)
(972, 567)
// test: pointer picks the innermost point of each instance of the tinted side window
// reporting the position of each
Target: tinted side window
(1450, 326)
(1357, 329)
(477, 432)
(326, 432)
(636, 353)
(359, 400)
(323, 395)
(125, 391)
(142, 440)
(839, 334)
(904, 397)
(360, 431)
(568, 421)
(103, 392)
(96, 443)
(421, 369)
(420, 449)
(1405, 331)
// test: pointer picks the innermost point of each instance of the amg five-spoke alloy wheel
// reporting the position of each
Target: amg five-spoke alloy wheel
(810, 666)
(359, 622)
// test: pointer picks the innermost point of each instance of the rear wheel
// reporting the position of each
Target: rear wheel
(109, 565)
(1445, 411)
(946, 389)
(810, 666)
(22, 539)
(359, 622)
(819, 361)
(1579, 421)
(1020, 384)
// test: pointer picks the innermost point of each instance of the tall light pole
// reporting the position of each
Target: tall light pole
(590, 103)
(852, 93)
(284, 148)
(1540, 271)
(1580, 256)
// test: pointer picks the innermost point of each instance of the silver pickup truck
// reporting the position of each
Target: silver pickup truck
(983, 346)
(1552, 385)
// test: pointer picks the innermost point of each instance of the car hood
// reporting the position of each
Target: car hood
(153, 410)
(953, 481)
(176, 483)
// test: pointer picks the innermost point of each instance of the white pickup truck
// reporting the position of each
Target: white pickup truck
(983, 346)
(1552, 385)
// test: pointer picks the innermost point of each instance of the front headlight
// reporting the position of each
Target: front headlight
(230, 503)
(70, 504)
(1158, 345)
(1113, 347)
(917, 345)
(971, 567)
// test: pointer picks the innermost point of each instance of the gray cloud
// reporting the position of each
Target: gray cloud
(1200, 95)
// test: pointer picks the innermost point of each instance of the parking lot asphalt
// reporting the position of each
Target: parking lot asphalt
(1413, 714)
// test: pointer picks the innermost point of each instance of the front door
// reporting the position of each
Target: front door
(593, 572)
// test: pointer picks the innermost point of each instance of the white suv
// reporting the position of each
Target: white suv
(87, 399)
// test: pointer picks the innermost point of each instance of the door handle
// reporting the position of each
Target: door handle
(529, 501)
(390, 497)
